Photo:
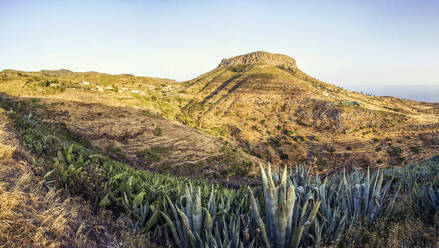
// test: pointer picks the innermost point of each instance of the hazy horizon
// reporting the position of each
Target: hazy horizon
(349, 44)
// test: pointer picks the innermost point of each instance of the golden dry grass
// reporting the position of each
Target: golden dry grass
(31, 215)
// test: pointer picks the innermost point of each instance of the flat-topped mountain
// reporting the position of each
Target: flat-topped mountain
(264, 103)
(260, 106)
(261, 57)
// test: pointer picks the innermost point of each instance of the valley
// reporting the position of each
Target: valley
(258, 107)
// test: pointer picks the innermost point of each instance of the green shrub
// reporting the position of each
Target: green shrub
(414, 149)
(349, 104)
(152, 155)
(238, 68)
(115, 151)
(254, 127)
(303, 123)
(157, 131)
(394, 151)
(283, 156)
(289, 132)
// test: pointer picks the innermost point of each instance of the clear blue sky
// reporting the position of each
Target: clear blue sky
(343, 42)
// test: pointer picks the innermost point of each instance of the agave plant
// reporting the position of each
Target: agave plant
(215, 225)
(287, 217)
(428, 198)
(226, 234)
(367, 198)
(333, 219)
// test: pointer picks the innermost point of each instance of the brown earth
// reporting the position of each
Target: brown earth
(251, 108)
(266, 105)
(32, 214)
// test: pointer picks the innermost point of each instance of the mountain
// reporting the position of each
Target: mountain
(254, 108)
(264, 103)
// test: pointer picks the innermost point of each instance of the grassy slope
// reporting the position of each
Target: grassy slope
(285, 118)
(118, 121)
(31, 215)
(243, 105)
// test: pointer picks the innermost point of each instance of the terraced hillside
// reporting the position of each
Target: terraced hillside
(258, 107)
(266, 105)
(128, 118)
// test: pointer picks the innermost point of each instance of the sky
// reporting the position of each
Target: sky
(354, 44)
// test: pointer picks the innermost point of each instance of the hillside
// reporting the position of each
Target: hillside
(132, 119)
(258, 107)
(266, 105)
(33, 214)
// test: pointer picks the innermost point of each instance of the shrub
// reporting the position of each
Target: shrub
(289, 132)
(303, 123)
(414, 149)
(254, 127)
(283, 156)
(349, 104)
(157, 131)
(152, 155)
(274, 141)
(115, 151)
(394, 151)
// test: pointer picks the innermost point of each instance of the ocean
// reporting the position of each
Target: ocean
(423, 93)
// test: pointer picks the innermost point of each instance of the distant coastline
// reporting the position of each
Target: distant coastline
(423, 93)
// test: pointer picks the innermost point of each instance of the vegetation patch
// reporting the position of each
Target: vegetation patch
(349, 104)
(116, 151)
(151, 155)
(157, 131)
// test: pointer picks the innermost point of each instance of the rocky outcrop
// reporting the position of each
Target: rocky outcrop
(260, 57)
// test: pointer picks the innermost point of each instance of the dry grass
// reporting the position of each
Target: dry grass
(406, 226)
(33, 216)
(5, 151)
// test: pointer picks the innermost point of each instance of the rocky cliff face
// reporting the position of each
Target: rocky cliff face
(260, 57)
